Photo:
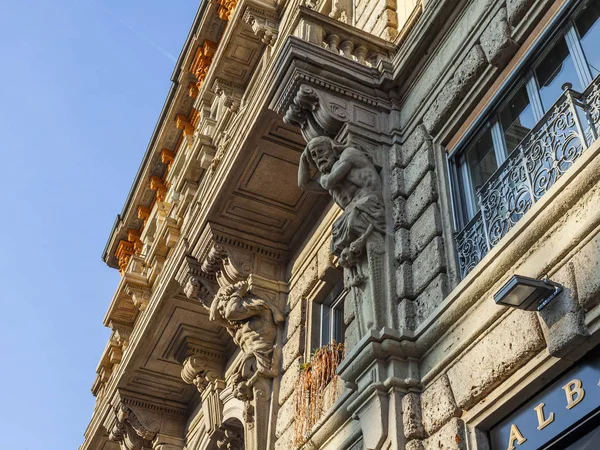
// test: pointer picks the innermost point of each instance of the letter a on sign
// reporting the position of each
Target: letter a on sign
(515, 435)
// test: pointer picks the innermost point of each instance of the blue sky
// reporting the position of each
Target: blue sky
(81, 87)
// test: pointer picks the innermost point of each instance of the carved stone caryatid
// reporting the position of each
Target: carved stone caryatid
(349, 175)
(252, 323)
(130, 432)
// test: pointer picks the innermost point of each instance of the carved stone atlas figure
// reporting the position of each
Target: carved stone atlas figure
(252, 322)
(350, 177)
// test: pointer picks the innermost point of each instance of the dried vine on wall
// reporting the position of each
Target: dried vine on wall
(310, 388)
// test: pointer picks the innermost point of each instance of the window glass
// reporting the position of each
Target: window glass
(481, 163)
(553, 71)
(325, 324)
(516, 119)
(330, 317)
(588, 27)
(588, 442)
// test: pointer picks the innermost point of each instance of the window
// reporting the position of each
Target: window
(572, 56)
(328, 318)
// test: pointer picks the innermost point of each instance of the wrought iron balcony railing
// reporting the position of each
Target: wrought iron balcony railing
(542, 157)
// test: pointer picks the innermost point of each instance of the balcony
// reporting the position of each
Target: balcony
(557, 141)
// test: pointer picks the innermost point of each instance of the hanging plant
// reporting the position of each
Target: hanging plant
(314, 376)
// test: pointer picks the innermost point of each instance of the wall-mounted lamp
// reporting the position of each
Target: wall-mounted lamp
(527, 293)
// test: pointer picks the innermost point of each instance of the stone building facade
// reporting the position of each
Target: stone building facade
(333, 194)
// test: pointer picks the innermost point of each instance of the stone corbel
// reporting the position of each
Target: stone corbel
(130, 431)
(316, 113)
(264, 24)
(196, 283)
(139, 291)
(121, 333)
(137, 422)
(229, 95)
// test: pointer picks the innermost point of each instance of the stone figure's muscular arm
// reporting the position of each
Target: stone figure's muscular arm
(338, 172)
(304, 180)
(238, 309)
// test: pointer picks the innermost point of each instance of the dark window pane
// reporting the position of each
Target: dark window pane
(516, 119)
(588, 27)
(338, 323)
(325, 325)
(588, 442)
(556, 69)
(481, 161)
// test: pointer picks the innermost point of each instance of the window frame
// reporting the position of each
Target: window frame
(333, 301)
(464, 198)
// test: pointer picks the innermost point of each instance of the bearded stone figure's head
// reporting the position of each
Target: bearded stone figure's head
(321, 151)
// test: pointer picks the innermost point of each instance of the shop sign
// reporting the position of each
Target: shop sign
(552, 411)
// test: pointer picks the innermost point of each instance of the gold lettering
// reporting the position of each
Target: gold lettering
(515, 434)
(574, 392)
(542, 421)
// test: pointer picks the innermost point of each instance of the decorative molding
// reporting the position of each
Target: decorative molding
(158, 185)
(143, 213)
(232, 439)
(263, 23)
(167, 157)
(202, 61)
(123, 254)
(193, 90)
(226, 8)
(130, 432)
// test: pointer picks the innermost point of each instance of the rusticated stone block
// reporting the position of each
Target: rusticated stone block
(304, 284)
(285, 440)
(433, 295)
(295, 318)
(414, 445)
(415, 171)
(496, 41)
(424, 195)
(351, 336)
(438, 405)
(348, 310)
(414, 142)
(406, 314)
(293, 348)
(286, 415)
(402, 245)
(396, 155)
(411, 417)
(452, 436)
(427, 226)
(427, 265)
(404, 281)
(516, 10)
(325, 262)
(288, 380)
(451, 94)
(495, 357)
(396, 182)
(563, 320)
(399, 213)
(587, 273)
